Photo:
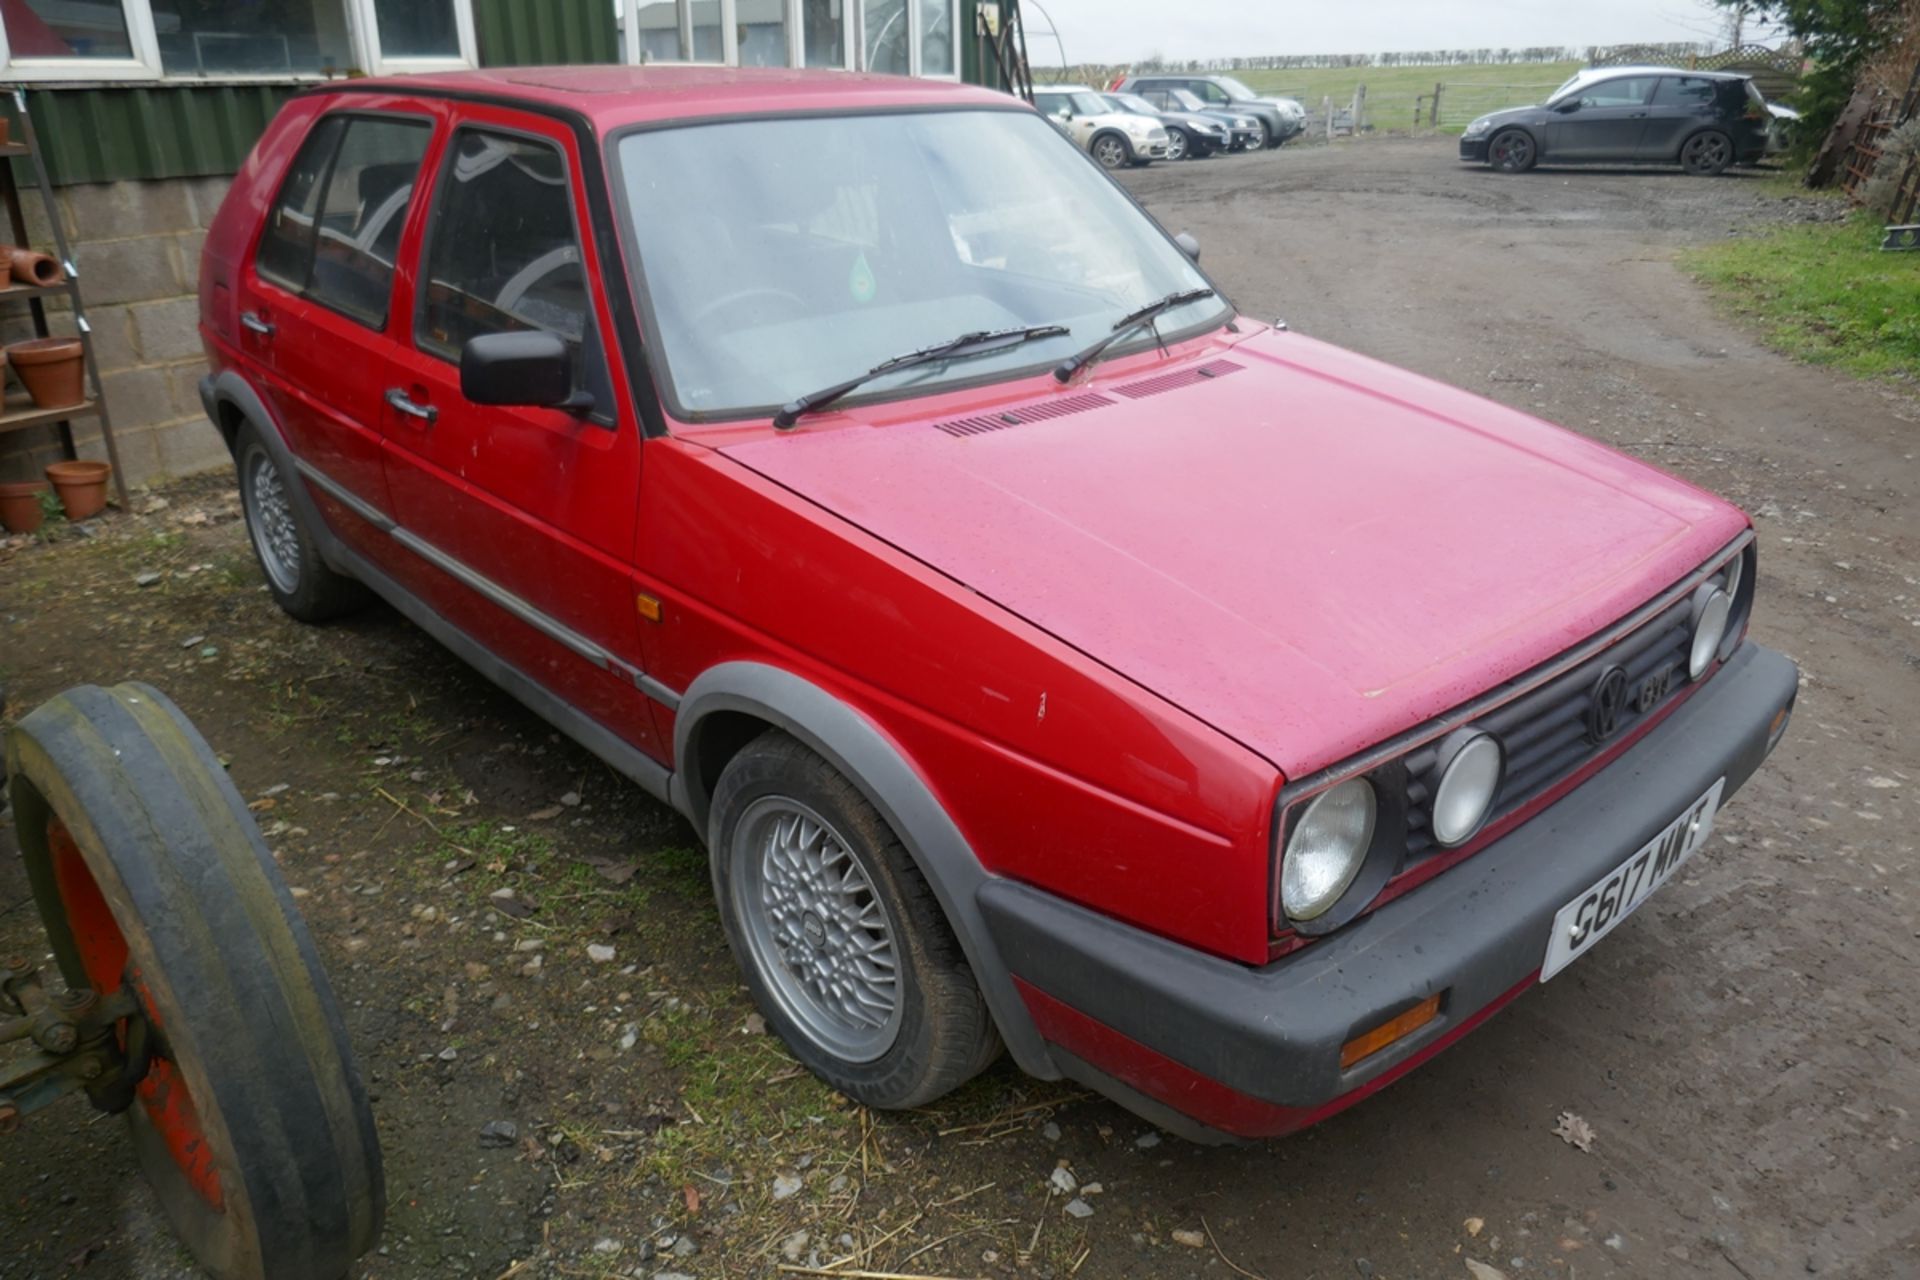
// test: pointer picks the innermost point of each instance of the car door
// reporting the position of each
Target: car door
(1681, 104)
(1603, 122)
(521, 518)
(316, 305)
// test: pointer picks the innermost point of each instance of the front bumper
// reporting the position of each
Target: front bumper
(1474, 149)
(1210, 1047)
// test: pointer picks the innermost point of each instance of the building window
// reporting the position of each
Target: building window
(823, 33)
(193, 39)
(896, 37)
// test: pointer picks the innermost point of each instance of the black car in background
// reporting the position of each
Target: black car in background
(1190, 134)
(1243, 131)
(1701, 120)
(1279, 118)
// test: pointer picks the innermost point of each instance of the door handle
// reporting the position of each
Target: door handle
(425, 414)
(251, 320)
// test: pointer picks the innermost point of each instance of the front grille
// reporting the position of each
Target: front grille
(1548, 731)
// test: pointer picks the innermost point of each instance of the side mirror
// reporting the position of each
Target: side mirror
(523, 367)
(1568, 107)
(1188, 245)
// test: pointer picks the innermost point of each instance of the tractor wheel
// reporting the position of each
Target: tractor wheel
(249, 1120)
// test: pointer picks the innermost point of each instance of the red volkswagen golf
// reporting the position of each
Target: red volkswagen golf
(1051, 656)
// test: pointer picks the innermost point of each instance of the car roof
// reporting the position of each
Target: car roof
(1062, 88)
(610, 96)
(1588, 74)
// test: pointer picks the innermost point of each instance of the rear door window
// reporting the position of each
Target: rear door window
(334, 230)
(1684, 91)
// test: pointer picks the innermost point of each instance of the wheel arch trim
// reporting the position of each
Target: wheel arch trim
(867, 757)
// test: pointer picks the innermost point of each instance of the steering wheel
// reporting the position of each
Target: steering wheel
(738, 296)
(535, 273)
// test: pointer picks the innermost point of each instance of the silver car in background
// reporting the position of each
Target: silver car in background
(1113, 138)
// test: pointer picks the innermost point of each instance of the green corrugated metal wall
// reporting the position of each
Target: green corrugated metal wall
(526, 33)
(175, 131)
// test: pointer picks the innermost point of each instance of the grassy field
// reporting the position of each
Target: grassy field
(1824, 293)
(1391, 91)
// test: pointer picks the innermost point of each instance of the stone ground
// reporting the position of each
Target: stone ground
(1745, 1050)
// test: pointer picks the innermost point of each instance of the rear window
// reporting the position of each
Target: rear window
(334, 230)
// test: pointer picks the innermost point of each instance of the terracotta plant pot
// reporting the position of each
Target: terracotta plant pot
(20, 509)
(82, 487)
(30, 267)
(51, 369)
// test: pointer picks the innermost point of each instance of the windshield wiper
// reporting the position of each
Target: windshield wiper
(1126, 324)
(978, 343)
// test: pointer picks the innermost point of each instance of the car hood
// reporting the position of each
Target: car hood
(1192, 119)
(1514, 115)
(1306, 549)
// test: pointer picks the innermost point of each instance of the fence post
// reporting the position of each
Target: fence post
(1433, 120)
(1326, 109)
(1359, 105)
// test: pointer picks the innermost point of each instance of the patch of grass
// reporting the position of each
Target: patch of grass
(1392, 91)
(1823, 293)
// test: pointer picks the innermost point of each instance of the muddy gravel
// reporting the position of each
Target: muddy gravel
(569, 1082)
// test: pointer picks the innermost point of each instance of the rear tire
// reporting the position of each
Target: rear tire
(1706, 154)
(843, 945)
(1512, 151)
(303, 584)
(250, 1121)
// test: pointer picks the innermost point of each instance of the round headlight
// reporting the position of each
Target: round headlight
(1471, 775)
(1327, 848)
(1711, 609)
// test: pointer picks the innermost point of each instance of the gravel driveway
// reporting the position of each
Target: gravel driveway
(1746, 1050)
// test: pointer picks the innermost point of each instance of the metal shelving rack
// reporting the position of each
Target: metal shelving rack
(17, 411)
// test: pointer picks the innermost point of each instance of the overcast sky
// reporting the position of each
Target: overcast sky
(1124, 30)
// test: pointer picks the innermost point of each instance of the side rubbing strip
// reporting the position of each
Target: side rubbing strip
(346, 497)
(493, 591)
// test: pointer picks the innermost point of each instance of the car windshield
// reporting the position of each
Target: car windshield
(1235, 90)
(783, 255)
(1186, 101)
(1128, 102)
(1578, 80)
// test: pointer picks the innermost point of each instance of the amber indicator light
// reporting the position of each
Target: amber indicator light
(649, 608)
(1365, 1046)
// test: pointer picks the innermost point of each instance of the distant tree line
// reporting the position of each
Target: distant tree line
(1420, 58)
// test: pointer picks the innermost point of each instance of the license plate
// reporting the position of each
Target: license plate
(1592, 915)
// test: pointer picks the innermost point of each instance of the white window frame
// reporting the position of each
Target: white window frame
(853, 35)
(683, 10)
(363, 34)
(797, 37)
(915, 32)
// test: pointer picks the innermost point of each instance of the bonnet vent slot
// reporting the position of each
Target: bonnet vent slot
(1040, 412)
(1174, 381)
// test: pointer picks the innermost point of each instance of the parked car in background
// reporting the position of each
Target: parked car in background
(1112, 137)
(1703, 121)
(1191, 135)
(1244, 131)
(1279, 118)
(853, 469)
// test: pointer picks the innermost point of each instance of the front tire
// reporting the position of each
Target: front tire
(843, 945)
(303, 584)
(1706, 154)
(1512, 151)
(1110, 151)
(1179, 147)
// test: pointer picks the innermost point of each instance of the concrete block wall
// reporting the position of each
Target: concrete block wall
(137, 249)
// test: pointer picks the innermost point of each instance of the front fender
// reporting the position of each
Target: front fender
(867, 757)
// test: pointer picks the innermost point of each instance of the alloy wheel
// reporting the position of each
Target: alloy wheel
(270, 520)
(819, 933)
(1707, 153)
(1110, 153)
(1176, 145)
